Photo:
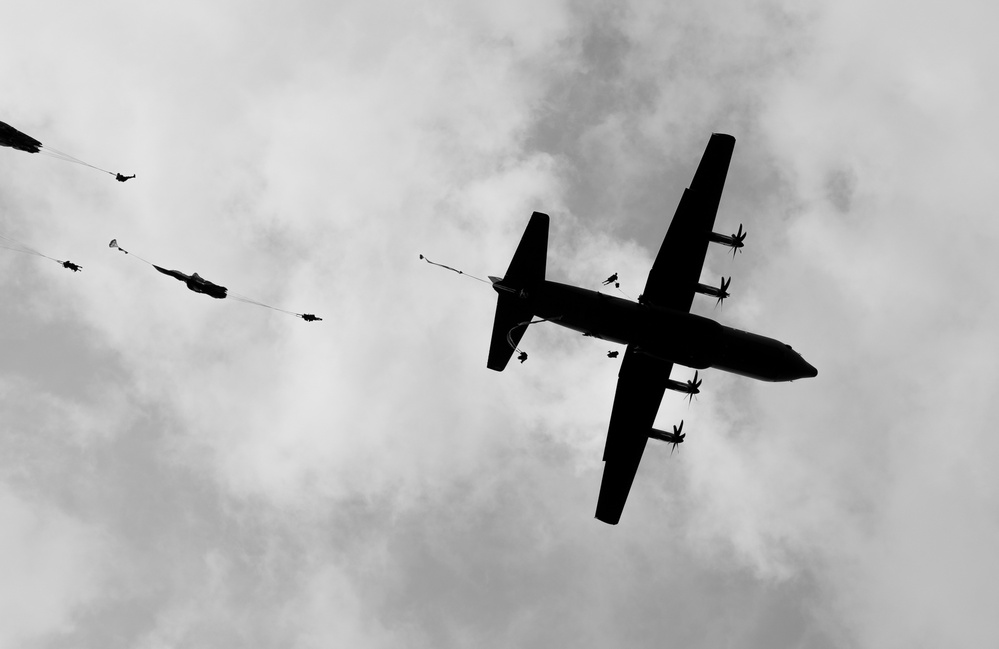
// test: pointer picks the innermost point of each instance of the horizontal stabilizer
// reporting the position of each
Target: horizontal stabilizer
(512, 316)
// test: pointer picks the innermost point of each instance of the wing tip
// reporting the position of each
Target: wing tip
(607, 519)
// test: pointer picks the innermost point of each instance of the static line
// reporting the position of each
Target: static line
(55, 153)
(15, 245)
(114, 244)
(455, 270)
(521, 354)
(239, 297)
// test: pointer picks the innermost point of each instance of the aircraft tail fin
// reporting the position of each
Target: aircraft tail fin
(514, 306)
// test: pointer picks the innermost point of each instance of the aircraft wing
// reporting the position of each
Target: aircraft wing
(641, 384)
(672, 283)
(677, 269)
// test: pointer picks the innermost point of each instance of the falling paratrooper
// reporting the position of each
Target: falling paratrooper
(199, 284)
(15, 139)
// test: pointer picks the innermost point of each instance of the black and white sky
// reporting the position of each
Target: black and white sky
(178, 471)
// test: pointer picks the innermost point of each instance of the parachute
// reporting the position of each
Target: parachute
(13, 244)
(199, 284)
(10, 136)
(15, 139)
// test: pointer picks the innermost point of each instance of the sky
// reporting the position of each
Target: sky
(180, 471)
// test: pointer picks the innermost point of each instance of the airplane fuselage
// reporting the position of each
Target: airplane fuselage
(675, 336)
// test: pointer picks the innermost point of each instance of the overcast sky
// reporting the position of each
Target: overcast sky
(179, 471)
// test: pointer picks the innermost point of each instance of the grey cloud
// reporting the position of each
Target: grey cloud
(264, 481)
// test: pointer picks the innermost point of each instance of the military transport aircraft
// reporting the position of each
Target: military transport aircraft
(659, 329)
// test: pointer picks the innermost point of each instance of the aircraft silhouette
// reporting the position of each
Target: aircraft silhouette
(659, 329)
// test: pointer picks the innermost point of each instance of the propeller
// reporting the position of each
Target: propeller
(677, 437)
(723, 290)
(737, 241)
(692, 389)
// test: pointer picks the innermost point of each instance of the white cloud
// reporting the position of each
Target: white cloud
(254, 472)
(53, 566)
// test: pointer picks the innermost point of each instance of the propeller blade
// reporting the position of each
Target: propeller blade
(692, 388)
(722, 291)
(738, 238)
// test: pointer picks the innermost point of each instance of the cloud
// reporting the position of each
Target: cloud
(53, 566)
(261, 480)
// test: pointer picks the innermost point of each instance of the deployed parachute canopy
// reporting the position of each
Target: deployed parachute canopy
(199, 284)
(15, 139)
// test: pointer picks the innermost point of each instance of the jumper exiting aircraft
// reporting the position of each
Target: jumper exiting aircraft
(659, 329)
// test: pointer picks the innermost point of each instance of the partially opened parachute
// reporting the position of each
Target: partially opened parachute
(10, 136)
(15, 139)
(199, 284)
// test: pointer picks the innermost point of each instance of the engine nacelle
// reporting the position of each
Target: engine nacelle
(733, 241)
(674, 438)
(689, 388)
(661, 435)
(720, 291)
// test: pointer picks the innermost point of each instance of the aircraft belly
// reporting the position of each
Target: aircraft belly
(681, 338)
(667, 335)
(755, 356)
(588, 312)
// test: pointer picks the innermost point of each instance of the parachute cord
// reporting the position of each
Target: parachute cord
(17, 246)
(521, 354)
(622, 292)
(131, 254)
(29, 252)
(242, 298)
(140, 258)
(55, 153)
(460, 272)
(114, 244)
